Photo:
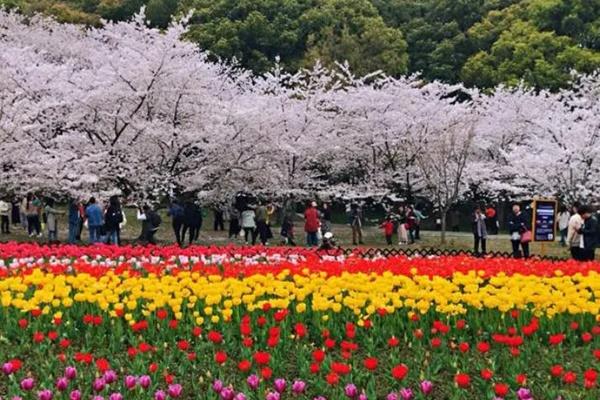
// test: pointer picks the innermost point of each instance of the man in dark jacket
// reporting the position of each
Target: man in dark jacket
(518, 225)
(113, 219)
(591, 234)
(74, 220)
(176, 213)
(192, 220)
(150, 223)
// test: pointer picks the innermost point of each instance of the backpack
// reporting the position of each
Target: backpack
(155, 219)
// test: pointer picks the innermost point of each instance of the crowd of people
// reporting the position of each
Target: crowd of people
(252, 223)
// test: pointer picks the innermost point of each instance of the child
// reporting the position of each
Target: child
(287, 231)
(388, 229)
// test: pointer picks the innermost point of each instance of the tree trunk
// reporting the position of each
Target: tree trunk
(443, 216)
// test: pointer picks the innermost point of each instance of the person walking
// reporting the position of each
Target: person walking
(95, 220)
(74, 218)
(176, 212)
(234, 222)
(4, 219)
(388, 229)
(287, 231)
(520, 234)
(261, 223)
(113, 219)
(219, 220)
(52, 220)
(33, 209)
(249, 225)
(15, 217)
(563, 224)
(192, 221)
(591, 234)
(411, 224)
(479, 231)
(150, 223)
(326, 218)
(356, 222)
(574, 237)
(312, 225)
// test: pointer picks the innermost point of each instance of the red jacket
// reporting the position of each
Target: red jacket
(388, 228)
(311, 224)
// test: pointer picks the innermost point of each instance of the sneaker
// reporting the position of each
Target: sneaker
(31, 235)
(40, 235)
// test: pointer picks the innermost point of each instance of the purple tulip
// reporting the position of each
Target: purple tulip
(217, 386)
(392, 396)
(70, 373)
(253, 381)
(45, 395)
(280, 385)
(160, 395)
(75, 395)
(426, 387)
(175, 390)
(145, 381)
(362, 396)
(273, 396)
(110, 376)
(27, 384)
(130, 382)
(298, 387)
(240, 396)
(7, 368)
(116, 396)
(524, 394)
(62, 384)
(227, 393)
(351, 390)
(406, 394)
(99, 384)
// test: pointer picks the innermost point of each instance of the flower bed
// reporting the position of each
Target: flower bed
(254, 323)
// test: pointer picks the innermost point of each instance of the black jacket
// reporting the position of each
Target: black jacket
(591, 233)
(113, 217)
(192, 215)
(518, 223)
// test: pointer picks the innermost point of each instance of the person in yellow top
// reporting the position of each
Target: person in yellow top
(574, 238)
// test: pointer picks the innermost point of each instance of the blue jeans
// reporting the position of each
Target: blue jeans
(114, 237)
(94, 233)
(73, 228)
(311, 239)
(52, 236)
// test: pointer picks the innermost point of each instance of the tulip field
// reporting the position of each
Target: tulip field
(233, 323)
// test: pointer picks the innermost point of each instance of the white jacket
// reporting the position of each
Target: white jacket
(573, 236)
(4, 208)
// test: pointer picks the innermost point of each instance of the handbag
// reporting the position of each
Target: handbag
(526, 237)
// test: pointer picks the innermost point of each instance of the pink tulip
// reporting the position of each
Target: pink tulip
(45, 395)
(75, 395)
(362, 396)
(130, 382)
(253, 381)
(406, 394)
(392, 396)
(7, 368)
(280, 385)
(110, 376)
(62, 384)
(116, 396)
(97, 398)
(70, 373)
(426, 387)
(227, 393)
(240, 396)
(273, 396)
(175, 390)
(145, 381)
(351, 390)
(298, 387)
(160, 395)
(99, 384)
(27, 384)
(217, 386)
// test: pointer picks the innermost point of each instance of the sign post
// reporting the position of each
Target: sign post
(544, 221)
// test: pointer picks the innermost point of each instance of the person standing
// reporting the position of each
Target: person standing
(33, 209)
(287, 231)
(311, 225)
(219, 220)
(4, 220)
(591, 234)
(574, 238)
(15, 217)
(356, 222)
(249, 225)
(563, 224)
(411, 224)
(176, 212)
(113, 220)
(518, 227)
(95, 219)
(326, 218)
(192, 221)
(52, 220)
(150, 223)
(23, 212)
(388, 229)
(234, 222)
(419, 216)
(479, 231)
(74, 218)
(491, 220)
(261, 223)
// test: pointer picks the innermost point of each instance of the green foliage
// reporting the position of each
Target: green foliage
(480, 42)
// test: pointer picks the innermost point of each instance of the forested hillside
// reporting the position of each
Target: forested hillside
(479, 42)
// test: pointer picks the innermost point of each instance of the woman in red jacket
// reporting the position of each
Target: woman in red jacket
(311, 225)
